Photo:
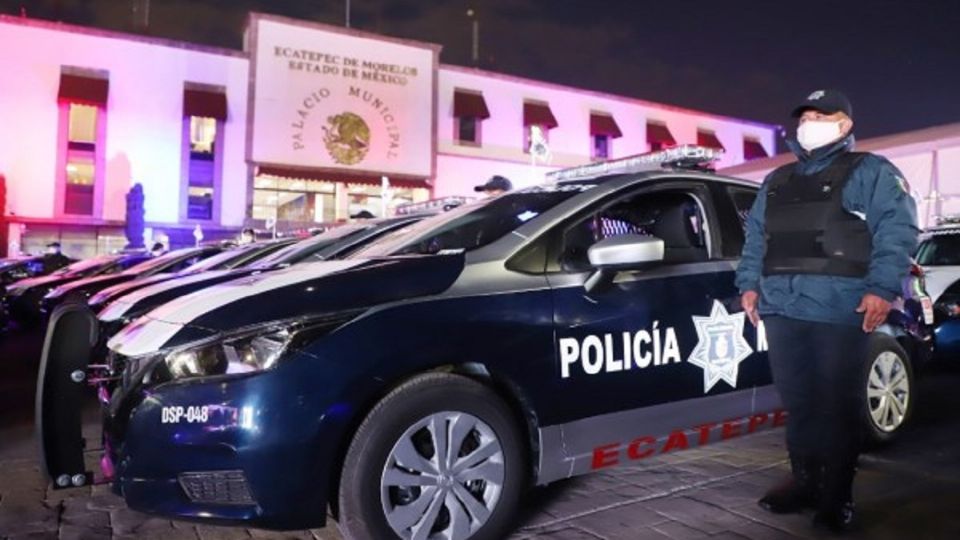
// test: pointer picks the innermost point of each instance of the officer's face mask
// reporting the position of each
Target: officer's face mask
(813, 134)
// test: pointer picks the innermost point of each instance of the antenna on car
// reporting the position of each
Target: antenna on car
(687, 156)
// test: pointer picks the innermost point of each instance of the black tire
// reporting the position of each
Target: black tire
(882, 345)
(362, 514)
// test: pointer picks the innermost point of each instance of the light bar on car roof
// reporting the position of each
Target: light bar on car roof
(441, 204)
(687, 155)
(948, 220)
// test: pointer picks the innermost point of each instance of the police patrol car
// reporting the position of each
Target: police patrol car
(545, 333)
(939, 255)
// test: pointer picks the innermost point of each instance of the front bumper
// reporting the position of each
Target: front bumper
(24, 308)
(947, 339)
(258, 450)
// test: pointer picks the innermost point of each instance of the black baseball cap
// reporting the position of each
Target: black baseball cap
(495, 183)
(825, 101)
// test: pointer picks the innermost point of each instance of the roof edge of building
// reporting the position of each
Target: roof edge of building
(347, 31)
(605, 95)
(117, 34)
(923, 139)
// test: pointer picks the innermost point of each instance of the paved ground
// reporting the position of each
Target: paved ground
(910, 490)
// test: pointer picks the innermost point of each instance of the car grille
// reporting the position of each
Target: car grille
(216, 487)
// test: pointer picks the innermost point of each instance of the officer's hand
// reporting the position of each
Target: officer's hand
(874, 309)
(748, 301)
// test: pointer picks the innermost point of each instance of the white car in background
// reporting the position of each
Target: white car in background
(939, 255)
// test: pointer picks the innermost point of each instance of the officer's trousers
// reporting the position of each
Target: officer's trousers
(817, 370)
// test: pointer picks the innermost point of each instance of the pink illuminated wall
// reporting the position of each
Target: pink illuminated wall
(144, 116)
(500, 152)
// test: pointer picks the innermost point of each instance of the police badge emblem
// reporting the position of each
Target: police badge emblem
(721, 346)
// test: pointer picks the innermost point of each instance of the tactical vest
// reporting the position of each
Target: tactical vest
(807, 229)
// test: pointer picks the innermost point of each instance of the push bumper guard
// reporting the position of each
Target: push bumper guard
(65, 374)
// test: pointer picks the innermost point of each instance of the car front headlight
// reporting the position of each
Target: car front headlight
(56, 293)
(949, 305)
(14, 291)
(98, 298)
(246, 351)
(241, 354)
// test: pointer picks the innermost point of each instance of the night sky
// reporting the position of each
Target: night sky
(898, 60)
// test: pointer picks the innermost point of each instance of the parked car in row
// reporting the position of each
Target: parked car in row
(332, 244)
(232, 257)
(939, 255)
(417, 387)
(82, 289)
(17, 268)
(22, 300)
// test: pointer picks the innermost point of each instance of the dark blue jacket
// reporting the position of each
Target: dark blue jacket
(878, 193)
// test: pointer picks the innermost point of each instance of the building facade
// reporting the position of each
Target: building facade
(308, 124)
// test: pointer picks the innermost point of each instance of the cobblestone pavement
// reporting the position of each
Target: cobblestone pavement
(909, 490)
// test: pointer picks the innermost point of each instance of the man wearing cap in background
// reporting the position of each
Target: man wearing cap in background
(247, 236)
(54, 258)
(828, 242)
(496, 185)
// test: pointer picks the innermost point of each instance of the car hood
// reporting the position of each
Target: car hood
(938, 278)
(41, 281)
(119, 307)
(298, 291)
(97, 281)
(120, 289)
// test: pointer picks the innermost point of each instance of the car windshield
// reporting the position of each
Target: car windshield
(940, 250)
(159, 262)
(220, 258)
(473, 225)
(86, 266)
(305, 248)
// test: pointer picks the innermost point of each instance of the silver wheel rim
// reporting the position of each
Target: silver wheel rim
(443, 478)
(888, 391)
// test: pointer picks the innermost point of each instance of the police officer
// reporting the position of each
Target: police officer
(247, 236)
(828, 243)
(53, 258)
(496, 185)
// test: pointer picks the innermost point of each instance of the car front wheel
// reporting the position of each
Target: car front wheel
(890, 389)
(439, 457)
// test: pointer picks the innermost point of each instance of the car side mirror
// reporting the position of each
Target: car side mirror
(625, 252)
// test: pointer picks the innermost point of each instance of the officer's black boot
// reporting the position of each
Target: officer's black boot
(836, 511)
(797, 492)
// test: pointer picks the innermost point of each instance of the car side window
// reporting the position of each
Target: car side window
(674, 216)
(742, 202)
(734, 226)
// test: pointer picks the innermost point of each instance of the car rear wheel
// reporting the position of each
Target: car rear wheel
(890, 389)
(439, 457)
